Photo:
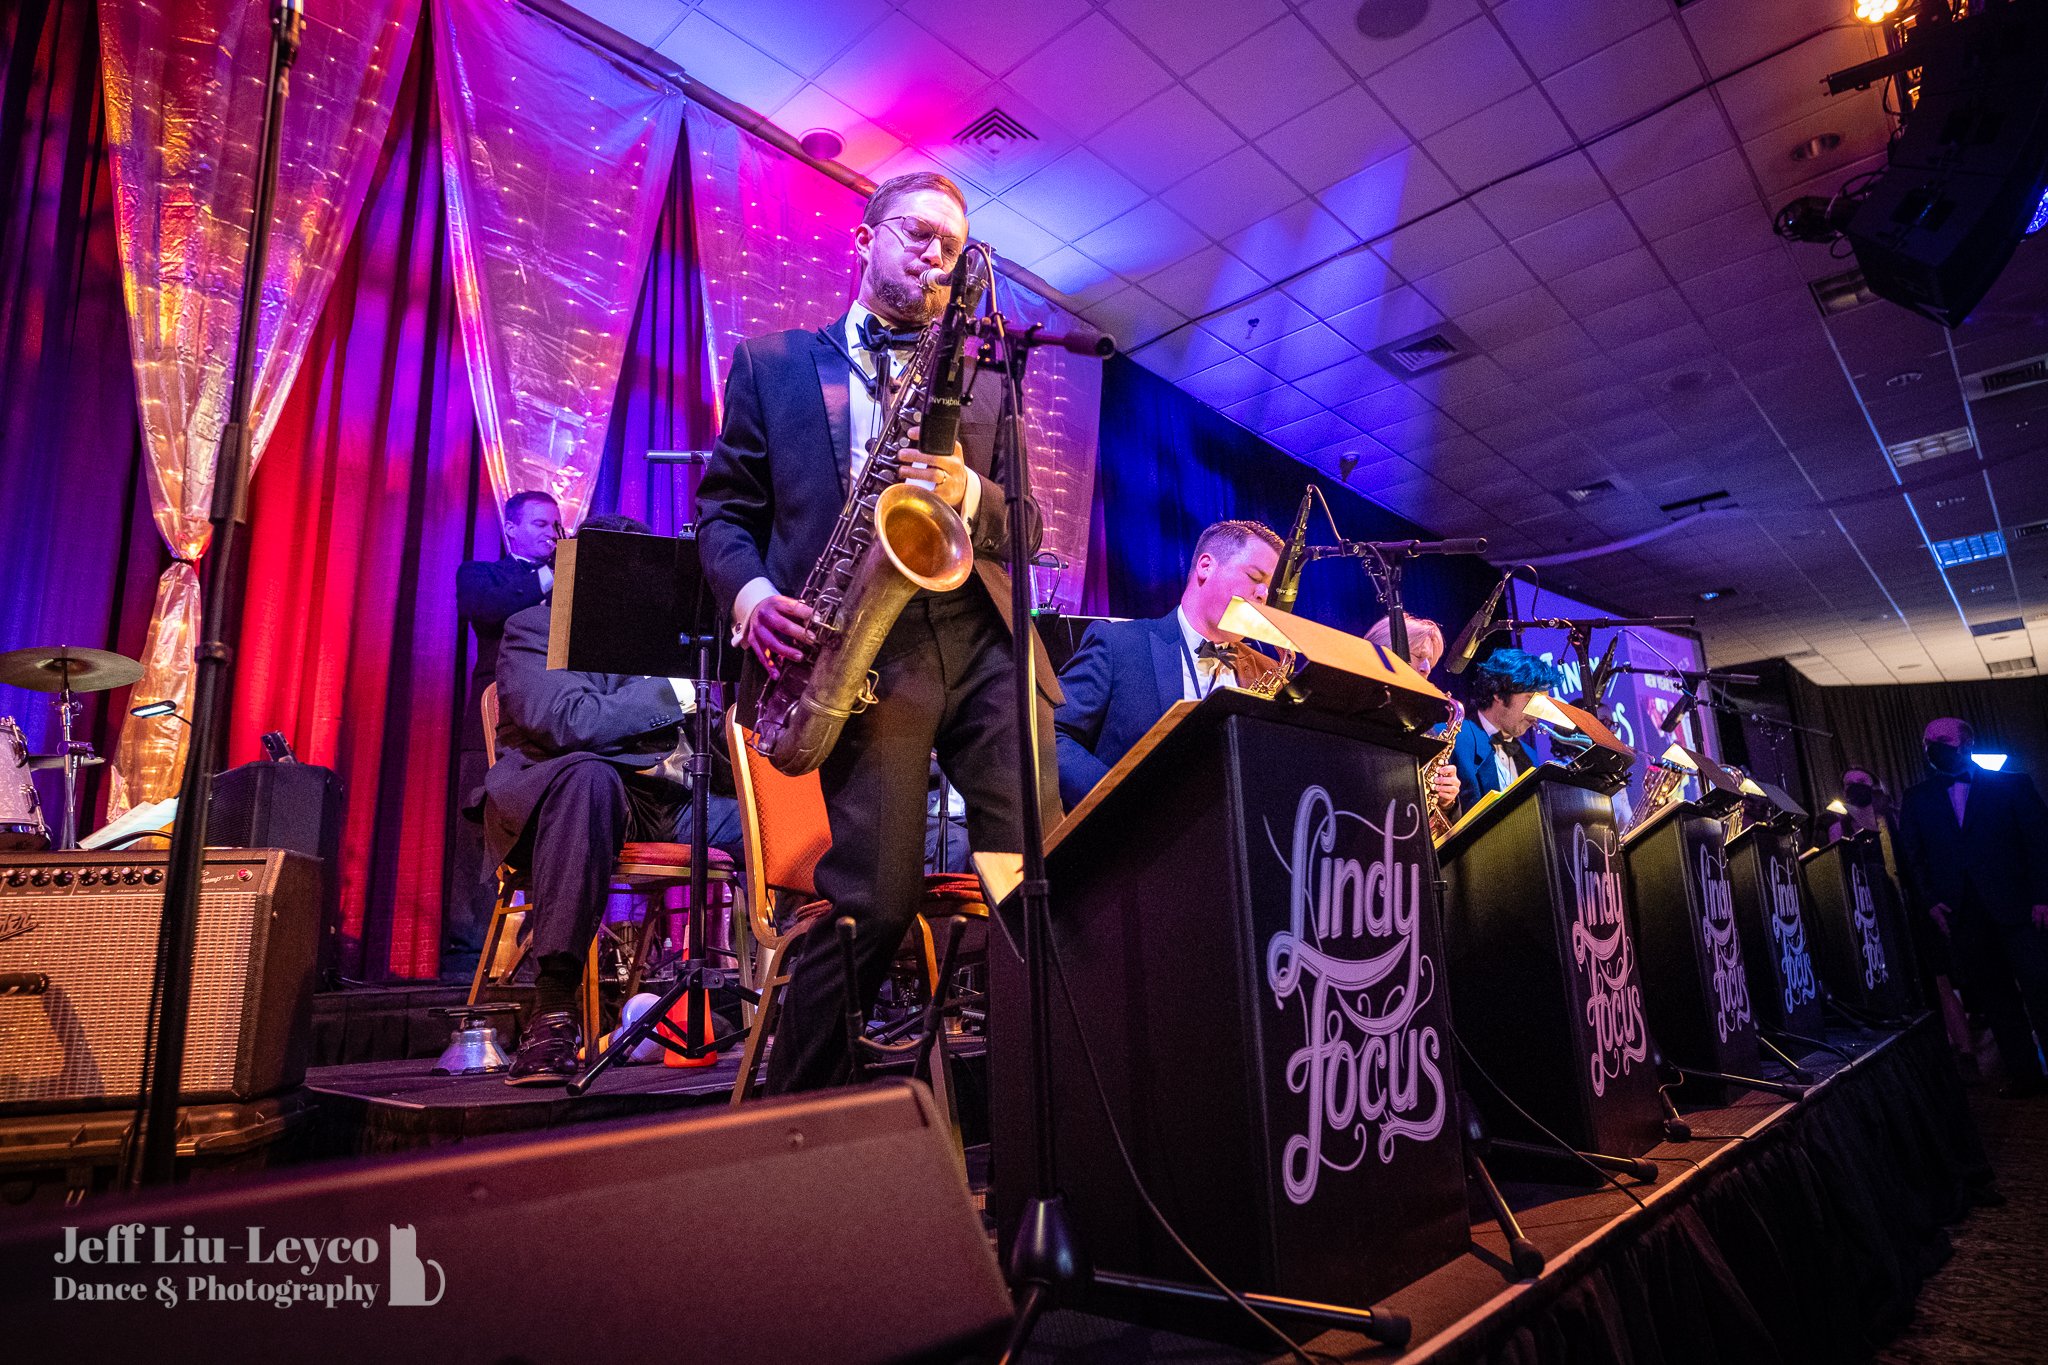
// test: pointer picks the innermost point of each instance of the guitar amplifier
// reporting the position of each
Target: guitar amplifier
(78, 935)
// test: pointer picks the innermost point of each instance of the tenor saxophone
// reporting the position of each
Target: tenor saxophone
(892, 540)
(1440, 820)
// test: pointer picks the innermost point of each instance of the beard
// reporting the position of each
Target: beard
(903, 300)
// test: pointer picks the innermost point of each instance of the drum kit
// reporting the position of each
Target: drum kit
(67, 672)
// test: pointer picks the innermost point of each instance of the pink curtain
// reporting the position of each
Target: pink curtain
(555, 157)
(775, 246)
(184, 100)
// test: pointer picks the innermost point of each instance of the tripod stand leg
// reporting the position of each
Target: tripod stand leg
(1790, 1092)
(856, 1018)
(1640, 1167)
(1527, 1260)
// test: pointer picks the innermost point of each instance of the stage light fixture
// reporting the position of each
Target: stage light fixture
(149, 710)
(1990, 763)
(1835, 807)
(1715, 594)
(1876, 11)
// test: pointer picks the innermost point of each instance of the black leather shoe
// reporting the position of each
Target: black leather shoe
(547, 1051)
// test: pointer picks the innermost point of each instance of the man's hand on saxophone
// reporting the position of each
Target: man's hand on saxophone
(778, 629)
(946, 475)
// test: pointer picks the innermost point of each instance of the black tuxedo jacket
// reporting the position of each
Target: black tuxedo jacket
(1997, 858)
(487, 593)
(778, 475)
(550, 718)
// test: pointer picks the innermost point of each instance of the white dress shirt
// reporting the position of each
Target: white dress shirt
(1505, 766)
(1209, 674)
(863, 423)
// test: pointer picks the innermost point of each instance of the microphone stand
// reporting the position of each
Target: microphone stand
(1385, 561)
(152, 1154)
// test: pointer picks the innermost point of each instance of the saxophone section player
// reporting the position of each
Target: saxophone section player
(1425, 647)
(801, 408)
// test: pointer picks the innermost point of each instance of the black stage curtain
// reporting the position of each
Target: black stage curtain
(1879, 728)
(1809, 1247)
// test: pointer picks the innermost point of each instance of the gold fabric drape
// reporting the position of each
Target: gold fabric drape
(185, 83)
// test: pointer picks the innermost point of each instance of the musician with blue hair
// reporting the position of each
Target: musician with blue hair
(1490, 751)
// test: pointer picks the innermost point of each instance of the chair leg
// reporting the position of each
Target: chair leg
(744, 1085)
(494, 935)
(590, 997)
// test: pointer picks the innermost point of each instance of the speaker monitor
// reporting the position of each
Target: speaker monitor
(87, 923)
(294, 806)
(1966, 175)
(830, 1229)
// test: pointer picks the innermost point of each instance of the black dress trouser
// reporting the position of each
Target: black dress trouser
(944, 683)
(2003, 971)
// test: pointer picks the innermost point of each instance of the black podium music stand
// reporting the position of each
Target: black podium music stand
(1247, 922)
(1695, 983)
(1544, 978)
(1859, 939)
(1770, 911)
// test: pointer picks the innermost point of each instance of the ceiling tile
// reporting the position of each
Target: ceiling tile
(1499, 140)
(1074, 195)
(867, 145)
(1147, 239)
(1165, 139)
(1293, 240)
(1542, 195)
(1134, 317)
(1721, 240)
(901, 77)
(1178, 354)
(1368, 46)
(1682, 198)
(1553, 34)
(1624, 80)
(1512, 319)
(1232, 193)
(1211, 278)
(1417, 433)
(1184, 40)
(730, 64)
(1732, 35)
(1538, 353)
(993, 34)
(1788, 88)
(1276, 73)
(1351, 379)
(1384, 195)
(1276, 407)
(1466, 70)
(1442, 239)
(644, 21)
(1673, 139)
(1638, 318)
(1069, 271)
(1016, 161)
(1233, 381)
(1343, 283)
(1611, 281)
(1339, 137)
(1385, 407)
(1012, 235)
(1388, 318)
(1312, 433)
(1089, 76)
(801, 38)
(1259, 320)
(1309, 351)
(1586, 238)
(1473, 283)
(1744, 282)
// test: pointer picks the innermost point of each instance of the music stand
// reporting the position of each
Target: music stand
(638, 604)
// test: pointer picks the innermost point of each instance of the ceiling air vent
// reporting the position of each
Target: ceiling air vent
(995, 137)
(1840, 293)
(1998, 627)
(2005, 379)
(1424, 351)
(2029, 531)
(1932, 447)
(2006, 667)
(1587, 492)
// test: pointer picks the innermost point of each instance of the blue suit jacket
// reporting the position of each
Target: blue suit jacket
(1472, 756)
(1118, 684)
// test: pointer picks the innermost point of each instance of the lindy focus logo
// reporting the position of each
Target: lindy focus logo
(284, 1271)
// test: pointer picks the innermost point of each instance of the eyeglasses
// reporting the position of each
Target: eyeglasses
(919, 236)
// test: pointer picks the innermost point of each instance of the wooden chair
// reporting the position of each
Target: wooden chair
(784, 831)
(643, 868)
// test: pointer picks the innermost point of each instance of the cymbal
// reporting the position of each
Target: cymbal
(40, 762)
(46, 669)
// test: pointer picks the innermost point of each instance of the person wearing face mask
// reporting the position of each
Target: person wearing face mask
(1975, 847)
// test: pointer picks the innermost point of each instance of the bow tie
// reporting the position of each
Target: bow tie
(876, 335)
(1501, 740)
(1209, 649)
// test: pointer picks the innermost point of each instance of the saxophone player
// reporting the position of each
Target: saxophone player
(1425, 647)
(800, 409)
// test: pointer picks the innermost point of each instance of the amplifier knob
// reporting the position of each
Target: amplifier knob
(87, 877)
(38, 878)
(17, 878)
(153, 876)
(132, 875)
(62, 878)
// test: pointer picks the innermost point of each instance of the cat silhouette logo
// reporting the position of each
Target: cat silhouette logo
(409, 1273)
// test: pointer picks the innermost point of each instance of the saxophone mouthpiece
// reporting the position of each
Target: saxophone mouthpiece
(935, 278)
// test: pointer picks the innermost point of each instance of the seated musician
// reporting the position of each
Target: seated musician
(1127, 673)
(1490, 751)
(1425, 647)
(586, 761)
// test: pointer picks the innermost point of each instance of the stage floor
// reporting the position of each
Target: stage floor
(1709, 1262)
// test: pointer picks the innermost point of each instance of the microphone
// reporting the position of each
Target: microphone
(1677, 713)
(1287, 583)
(1080, 339)
(1467, 644)
(941, 423)
(933, 278)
